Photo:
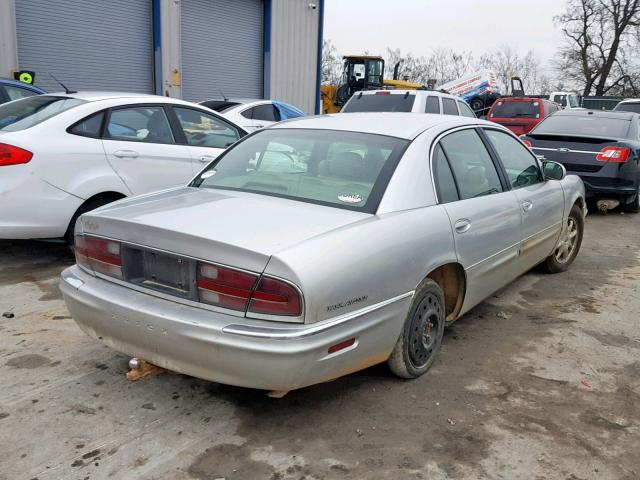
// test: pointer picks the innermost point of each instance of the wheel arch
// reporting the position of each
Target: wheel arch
(98, 199)
(452, 279)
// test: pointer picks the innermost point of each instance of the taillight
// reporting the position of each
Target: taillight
(11, 155)
(527, 143)
(275, 297)
(613, 154)
(236, 290)
(99, 255)
(224, 287)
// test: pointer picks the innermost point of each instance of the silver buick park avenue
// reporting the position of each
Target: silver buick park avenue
(321, 246)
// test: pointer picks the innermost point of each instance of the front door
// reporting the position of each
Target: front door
(141, 148)
(206, 135)
(541, 202)
(484, 216)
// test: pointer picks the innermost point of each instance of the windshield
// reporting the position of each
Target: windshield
(628, 107)
(584, 125)
(336, 168)
(30, 111)
(516, 109)
(380, 102)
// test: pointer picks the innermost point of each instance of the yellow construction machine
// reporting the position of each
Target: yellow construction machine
(360, 72)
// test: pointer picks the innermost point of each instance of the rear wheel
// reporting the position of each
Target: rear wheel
(477, 105)
(421, 337)
(87, 206)
(569, 245)
(634, 206)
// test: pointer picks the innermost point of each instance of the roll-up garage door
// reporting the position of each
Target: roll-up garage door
(87, 44)
(221, 48)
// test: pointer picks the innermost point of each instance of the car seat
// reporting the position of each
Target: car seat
(159, 130)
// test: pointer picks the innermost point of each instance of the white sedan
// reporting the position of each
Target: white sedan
(65, 154)
(253, 114)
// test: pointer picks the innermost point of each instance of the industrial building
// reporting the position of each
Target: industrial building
(190, 49)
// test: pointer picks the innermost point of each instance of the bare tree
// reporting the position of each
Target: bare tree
(331, 64)
(598, 34)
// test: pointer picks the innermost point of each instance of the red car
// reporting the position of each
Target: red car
(521, 114)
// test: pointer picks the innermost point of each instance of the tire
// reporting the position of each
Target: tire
(421, 337)
(477, 105)
(565, 253)
(89, 205)
(634, 206)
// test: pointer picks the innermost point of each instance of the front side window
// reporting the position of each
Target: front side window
(449, 106)
(445, 183)
(433, 105)
(340, 169)
(16, 93)
(264, 112)
(472, 167)
(521, 166)
(204, 130)
(30, 111)
(140, 124)
(465, 110)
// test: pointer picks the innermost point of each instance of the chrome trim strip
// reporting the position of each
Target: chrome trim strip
(562, 150)
(470, 267)
(540, 237)
(291, 333)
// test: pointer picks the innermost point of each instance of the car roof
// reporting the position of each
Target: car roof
(97, 96)
(521, 99)
(619, 115)
(405, 91)
(394, 124)
(235, 100)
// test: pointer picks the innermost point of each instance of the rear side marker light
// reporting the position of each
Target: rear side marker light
(99, 255)
(613, 154)
(341, 346)
(11, 155)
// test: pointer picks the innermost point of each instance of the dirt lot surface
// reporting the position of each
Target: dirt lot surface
(541, 381)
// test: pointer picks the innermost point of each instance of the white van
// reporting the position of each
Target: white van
(422, 101)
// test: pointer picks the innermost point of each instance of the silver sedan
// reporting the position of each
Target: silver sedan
(322, 246)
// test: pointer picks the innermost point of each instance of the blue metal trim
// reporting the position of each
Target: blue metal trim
(157, 47)
(319, 59)
(266, 51)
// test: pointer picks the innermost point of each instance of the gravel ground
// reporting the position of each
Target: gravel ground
(541, 381)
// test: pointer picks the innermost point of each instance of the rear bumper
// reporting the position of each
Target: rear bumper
(612, 179)
(225, 348)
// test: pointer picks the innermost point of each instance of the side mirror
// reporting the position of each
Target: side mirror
(553, 170)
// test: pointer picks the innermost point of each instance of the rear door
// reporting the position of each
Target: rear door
(142, 148)
(206, 135)
(484, 214)
(541, 202)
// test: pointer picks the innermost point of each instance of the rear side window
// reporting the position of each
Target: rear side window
(587, 125)
(445, 183)
(89, 127)
(265, 112)
(449, 106)
(472, 167)
(517, 109)
(433, 105)
(380, 102)
(30, 111)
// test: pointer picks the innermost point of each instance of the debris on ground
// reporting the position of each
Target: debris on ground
(8, 315)
(451, 421)
(585, 383)
(504, 315)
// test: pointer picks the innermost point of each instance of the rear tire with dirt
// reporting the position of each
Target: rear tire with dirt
(569, 245)
(421, 336)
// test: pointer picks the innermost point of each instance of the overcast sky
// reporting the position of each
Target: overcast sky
(418, 26)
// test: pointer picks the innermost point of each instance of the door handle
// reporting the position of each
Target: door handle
(125, 154)
(527, 205)
(206, 158)
(462, 225)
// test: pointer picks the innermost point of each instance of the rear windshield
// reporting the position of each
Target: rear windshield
(381, 102)
(335, 168)
(517, 109)
(628, 107)
(584, 125)
(30, 111)
(219, 105)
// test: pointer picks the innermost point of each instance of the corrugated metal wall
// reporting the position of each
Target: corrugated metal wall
(294, 52)
(221, 48)
(87, 44)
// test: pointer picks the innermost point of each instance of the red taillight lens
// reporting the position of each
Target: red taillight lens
(383, 93)
(99, 254)
(275, 297)
(223, 287)
(613, 154)
(527, 143)
(10, 155)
